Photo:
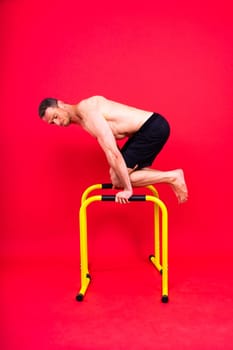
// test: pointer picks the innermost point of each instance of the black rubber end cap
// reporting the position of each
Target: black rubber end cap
(164, 299)
(79, 297)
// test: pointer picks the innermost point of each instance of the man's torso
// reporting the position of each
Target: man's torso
(123, 120)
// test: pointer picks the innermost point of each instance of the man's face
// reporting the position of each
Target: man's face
(57, 115)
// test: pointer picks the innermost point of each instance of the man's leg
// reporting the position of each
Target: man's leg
(175, 178)
(114, 178)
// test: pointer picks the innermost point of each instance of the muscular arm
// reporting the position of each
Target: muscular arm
(115, 161)
(96, 125)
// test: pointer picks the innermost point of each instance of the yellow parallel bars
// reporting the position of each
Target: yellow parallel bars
(161, 265)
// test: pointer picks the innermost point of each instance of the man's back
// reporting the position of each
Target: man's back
(123, 120)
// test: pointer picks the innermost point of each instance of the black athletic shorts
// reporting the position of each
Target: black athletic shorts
(142, 148)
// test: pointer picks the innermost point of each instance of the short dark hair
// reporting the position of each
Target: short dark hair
(47, 102)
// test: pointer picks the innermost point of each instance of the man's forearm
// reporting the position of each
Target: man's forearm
(115, 179)
(121, 173)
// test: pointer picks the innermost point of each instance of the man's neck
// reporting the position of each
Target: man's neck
(75, 119)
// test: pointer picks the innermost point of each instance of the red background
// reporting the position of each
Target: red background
(172, 57)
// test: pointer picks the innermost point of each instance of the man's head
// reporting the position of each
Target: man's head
(54, 111)
(46, 103)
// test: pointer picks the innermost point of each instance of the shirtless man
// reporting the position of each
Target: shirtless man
(109, 121)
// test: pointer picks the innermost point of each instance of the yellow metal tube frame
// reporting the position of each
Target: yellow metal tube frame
(161, 265)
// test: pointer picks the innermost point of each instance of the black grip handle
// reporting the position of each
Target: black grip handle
(134, 198)
(106, 186)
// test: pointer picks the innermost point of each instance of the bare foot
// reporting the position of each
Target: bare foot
(179, 186)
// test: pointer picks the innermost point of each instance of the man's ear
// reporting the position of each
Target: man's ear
(60, 104)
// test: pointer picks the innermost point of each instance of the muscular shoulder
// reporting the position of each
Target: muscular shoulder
(92, 102)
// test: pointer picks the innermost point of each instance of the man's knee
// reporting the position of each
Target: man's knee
(131, 170)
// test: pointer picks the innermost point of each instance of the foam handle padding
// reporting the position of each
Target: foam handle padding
(134, 198)
(106, 186)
